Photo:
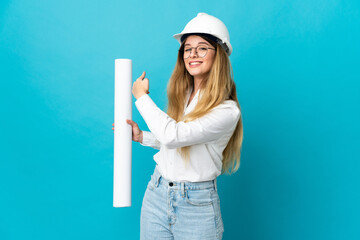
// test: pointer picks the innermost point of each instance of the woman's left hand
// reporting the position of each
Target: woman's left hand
(140, 86)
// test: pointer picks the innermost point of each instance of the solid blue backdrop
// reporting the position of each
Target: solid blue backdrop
(296, 66)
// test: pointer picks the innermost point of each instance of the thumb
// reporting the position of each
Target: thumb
(132, 123)
(142, 75)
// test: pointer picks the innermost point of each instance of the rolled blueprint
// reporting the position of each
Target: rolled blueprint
(122, 133)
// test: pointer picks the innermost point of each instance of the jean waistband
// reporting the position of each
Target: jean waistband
(159, 179)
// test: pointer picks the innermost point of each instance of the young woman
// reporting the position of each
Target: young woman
(199, 137)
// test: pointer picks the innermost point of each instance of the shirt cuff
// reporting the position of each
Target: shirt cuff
(146, 141)
(144, 102)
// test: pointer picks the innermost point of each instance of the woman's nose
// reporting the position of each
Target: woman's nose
(193, 52)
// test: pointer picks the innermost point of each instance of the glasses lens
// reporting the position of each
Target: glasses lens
(187, 52)
(201, 50)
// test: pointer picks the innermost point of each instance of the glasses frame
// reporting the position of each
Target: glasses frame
(196, 51)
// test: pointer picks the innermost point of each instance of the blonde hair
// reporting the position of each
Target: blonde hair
(217, 87)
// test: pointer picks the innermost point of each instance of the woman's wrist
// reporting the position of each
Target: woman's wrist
(140, 95)
(141, 137)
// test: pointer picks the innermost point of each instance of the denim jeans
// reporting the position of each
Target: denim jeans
(180, 210)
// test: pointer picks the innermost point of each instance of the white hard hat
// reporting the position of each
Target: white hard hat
(207, 24)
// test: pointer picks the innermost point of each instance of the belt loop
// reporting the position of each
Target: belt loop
(215, 184)
(182, 189)
(157, 176)
(157, 181)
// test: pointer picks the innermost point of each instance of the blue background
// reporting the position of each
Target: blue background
(296, 66)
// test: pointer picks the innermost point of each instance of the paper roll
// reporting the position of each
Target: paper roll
(122, 133)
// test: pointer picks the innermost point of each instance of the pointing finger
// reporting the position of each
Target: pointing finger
(142, 75)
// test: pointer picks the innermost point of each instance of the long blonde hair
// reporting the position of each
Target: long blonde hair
(217, 87)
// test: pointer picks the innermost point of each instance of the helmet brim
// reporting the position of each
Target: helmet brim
(226, 45)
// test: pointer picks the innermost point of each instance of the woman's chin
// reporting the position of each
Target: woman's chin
(195, 73)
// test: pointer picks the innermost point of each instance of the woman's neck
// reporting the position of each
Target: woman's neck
(197, 84)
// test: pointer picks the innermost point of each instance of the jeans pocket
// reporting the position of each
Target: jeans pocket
(199, 197)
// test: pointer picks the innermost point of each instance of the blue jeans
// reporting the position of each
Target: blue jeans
(180, 210)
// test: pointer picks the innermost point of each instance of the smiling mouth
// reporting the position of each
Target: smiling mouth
(194, 63)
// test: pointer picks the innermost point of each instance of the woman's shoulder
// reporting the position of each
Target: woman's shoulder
(229, 105)
(230, 102)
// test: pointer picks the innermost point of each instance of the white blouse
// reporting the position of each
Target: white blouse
(207, 135)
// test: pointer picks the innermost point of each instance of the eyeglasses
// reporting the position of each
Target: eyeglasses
(201, 51)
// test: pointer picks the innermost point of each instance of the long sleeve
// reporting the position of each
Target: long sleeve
(219, 121)
(150, 140)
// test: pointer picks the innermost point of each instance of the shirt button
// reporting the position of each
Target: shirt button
(171, 184)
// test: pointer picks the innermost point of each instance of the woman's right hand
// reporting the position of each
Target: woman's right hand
(137, 134)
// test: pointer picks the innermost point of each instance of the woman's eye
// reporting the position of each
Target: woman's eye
(188, 50)
(202, 48)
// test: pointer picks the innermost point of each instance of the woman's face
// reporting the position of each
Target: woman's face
(197, 66)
